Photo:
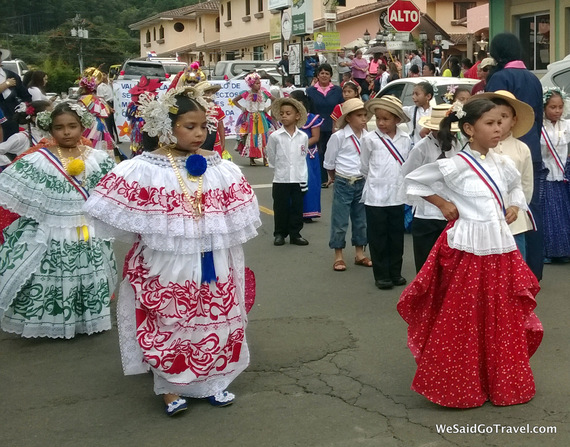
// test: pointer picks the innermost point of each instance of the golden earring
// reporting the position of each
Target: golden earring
(471, 139)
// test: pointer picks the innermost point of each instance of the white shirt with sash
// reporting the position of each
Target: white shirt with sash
(554, 141)
(343, 152)
(381, 163)
(481, 228)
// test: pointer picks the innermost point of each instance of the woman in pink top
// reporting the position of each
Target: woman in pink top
(359, 68)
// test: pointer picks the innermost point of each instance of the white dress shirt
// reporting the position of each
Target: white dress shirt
(427, 151)
(519, 152)
(343, 152)
(410, 111)
(287, 154)
(383, 172)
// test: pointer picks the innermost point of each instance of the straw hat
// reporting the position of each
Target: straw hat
(389, 103)
(524, 112)
(206, 88)
(4, 54)
(349, 106)
(276, 109)
(438, 113)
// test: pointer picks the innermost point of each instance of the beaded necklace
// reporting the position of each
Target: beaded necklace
(195, 203)
(74, 166)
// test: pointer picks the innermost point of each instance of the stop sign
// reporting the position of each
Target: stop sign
(403, 15)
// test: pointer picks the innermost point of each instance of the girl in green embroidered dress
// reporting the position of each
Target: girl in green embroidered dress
(56, 275)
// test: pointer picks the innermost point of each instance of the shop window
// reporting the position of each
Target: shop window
(258, 53)
(534, 33)
(460, 9)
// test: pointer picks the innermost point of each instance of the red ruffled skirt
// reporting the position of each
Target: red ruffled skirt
(472, 329)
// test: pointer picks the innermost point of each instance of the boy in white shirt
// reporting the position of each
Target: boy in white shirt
(384, 151)
(516, 117)
(286, 152)
(342, 161)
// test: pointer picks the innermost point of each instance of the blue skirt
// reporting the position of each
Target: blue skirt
(556, 212)
(312, 198)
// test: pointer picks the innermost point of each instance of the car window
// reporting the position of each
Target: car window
(173, 69)
(220, 69)
(562, 80)
(394, 90)
(148, 70)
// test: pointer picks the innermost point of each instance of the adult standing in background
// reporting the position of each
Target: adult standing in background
(324, 96)
(359, 69)
(283, 65)
(12, 92)
(344, 63)
(512, 75)
(37, 85)
(482, 73)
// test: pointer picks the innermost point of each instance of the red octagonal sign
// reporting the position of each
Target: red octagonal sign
(403, 15)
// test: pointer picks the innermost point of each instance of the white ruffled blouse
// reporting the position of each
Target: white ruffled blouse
(481, 228)
(559, 135)
(142, 198)
(427, 151)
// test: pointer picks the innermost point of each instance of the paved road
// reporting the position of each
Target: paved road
(329, 367)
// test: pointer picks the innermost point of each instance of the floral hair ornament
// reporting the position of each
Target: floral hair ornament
(43, 119)
(252, 78)
(548, 92)
(27, 108)
(88, 84)
(156, 112)
(457, 108)
(448, 96)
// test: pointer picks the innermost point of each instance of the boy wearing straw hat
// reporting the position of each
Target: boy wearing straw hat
(428, 222)
(517, 118)
(286, 152)
(384, 151)
(342, 161)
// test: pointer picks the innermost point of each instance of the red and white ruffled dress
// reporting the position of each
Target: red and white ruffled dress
(190, 334)
(471, 325)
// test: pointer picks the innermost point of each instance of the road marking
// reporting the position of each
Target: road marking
(266, 210)
(267, 185)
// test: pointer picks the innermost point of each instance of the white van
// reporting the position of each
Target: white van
(233, 68)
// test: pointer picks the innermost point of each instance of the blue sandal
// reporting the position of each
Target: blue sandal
(221, 399)
(176, 407)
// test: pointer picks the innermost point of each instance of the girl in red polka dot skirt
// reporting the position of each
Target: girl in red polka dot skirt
(471, 325)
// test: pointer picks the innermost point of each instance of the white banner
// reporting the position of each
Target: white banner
(224, 98)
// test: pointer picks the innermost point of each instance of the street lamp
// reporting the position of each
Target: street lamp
(438, 38)
(482, 43)
(366, 37)
(379, 36)
(80, 32)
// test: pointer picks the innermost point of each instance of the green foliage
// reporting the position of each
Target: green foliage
(60, 75)
(39, 33)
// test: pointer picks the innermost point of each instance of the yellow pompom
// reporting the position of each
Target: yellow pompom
(75, 167)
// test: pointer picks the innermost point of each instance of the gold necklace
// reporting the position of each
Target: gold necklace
(195, 203)
(77, 164)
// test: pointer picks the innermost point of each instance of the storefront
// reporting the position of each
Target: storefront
(542, 26)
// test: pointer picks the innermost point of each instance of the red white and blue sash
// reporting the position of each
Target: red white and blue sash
(485, 177)
(356, 143)
(392, 149)
(57, 163)
(552, 151)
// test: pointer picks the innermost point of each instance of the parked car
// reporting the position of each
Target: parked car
(134, 69)
(271, 72)
(18, 66)
(558, 74)
(403, 88)
(173, 67)
(231, 69)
